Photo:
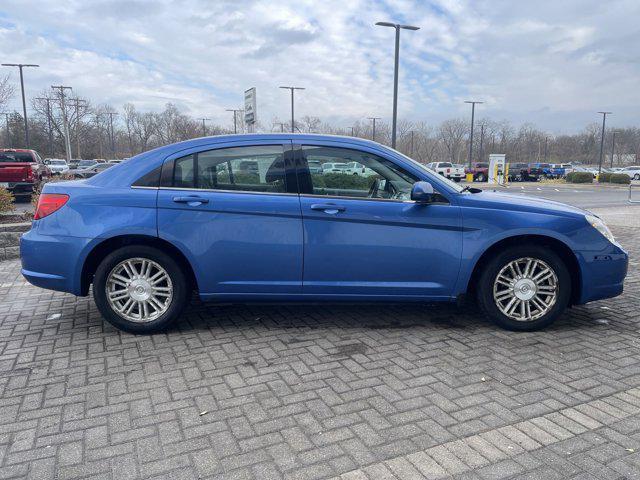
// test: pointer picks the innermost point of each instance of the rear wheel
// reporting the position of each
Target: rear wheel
(524, 288)
(140, 289)
(636, 176)
(480, 177)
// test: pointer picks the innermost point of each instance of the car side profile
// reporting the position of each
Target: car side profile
(191, 216)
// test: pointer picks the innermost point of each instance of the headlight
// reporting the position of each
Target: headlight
(601, 227)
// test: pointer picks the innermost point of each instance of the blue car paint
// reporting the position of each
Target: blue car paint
(374, 250)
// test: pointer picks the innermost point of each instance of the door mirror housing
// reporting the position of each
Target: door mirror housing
(422, 192)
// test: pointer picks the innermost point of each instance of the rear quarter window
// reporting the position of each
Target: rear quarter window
(151, 179)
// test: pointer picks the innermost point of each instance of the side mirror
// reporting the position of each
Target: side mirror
(422, 192)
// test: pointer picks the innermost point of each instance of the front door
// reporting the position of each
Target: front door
(363, 234)
(232, 211)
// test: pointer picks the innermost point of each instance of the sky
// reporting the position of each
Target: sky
(551, 63)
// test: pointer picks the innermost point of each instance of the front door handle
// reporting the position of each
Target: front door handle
(192, 200)
(328, 208)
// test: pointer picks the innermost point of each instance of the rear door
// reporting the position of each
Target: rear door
(240, 227)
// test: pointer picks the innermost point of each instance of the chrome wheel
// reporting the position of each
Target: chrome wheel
(525, 289)
(139, 290)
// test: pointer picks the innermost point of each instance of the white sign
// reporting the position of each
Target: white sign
(250, 114)
(497, 165)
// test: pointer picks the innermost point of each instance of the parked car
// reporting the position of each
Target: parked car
(480, 171)
(355, 168)
(57, 166)
(560, 170)
(85, 164)
(22, 171)
(331, 167)
(147, 233)
(89, 172)
(522, 172)
(633, 172)
(315, 166)
(591, 170)
(447, 170)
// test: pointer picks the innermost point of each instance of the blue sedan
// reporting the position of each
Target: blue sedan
(243, 218)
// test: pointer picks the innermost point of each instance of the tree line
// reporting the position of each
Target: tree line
(100, 131)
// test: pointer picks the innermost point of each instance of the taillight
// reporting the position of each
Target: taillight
(30, 174)
(448, 170)
(49, 203)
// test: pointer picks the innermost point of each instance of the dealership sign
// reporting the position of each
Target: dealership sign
(250, 115)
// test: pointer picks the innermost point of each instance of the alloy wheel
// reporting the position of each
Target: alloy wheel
(139, 290)
(525, 289)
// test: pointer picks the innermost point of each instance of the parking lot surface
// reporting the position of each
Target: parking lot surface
(350, 391)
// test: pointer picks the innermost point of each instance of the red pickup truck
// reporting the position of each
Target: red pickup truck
(22, 171)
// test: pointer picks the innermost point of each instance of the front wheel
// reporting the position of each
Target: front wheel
(457, 179)
(480, 177)
(636, 176)
(140, 289)
(524, 288)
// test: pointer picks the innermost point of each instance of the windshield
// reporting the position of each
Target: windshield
(16, 157)
(58, 162)
(450, 183)
(86, 163)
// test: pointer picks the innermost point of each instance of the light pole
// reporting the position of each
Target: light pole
(292, 111)
(546, 148)
(604, 119)
(76, 103)
(352, 129)
(373, 133)
(49, 130)
(613, 147)
(281, 126)
(411, 143)
(24, 103)
(235, 122)
(473, 112)
(65, 125)
(397, 26)
(204, 126)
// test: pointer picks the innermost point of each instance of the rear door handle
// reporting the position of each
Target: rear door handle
(328, 208)
(192, 200)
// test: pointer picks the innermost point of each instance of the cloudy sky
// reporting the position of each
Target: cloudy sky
(554, 63)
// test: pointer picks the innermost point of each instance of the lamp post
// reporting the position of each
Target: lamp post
(473, 112)
(204, 126)
(24, 103)
(292, 110)
(235, 121)
(373, 133)
(398, 27)
(604, 119)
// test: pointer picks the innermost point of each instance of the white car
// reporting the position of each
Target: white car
(633, 172)
(355, 168)
(334, 168)
(448, 170)
(57, 165)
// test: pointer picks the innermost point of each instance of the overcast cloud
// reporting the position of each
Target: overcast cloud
(553, 63)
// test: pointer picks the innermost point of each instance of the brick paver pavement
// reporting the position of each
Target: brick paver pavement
(318, 391)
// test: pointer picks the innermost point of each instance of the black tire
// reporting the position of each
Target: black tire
(181, 289)
(493, 267)
(480, 178)
(457, 179)
(636, 176)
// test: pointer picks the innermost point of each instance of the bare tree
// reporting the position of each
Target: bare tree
(6, 92)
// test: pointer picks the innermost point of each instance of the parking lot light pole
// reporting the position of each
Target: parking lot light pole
(235, 121)
(24, 103)
(397, 26)
(473, 113)
(604, 119)
(293, 128)
(373, 133)
(204, 126)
